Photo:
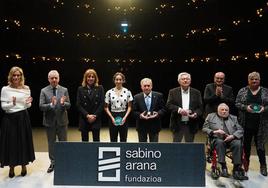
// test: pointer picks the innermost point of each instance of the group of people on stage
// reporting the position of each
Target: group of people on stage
(228, 130)
(148, 107)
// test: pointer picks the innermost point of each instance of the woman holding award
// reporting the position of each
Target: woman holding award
(252, 103)
(16, 144)
(118, 101)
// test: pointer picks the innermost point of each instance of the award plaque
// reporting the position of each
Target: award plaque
(118, 120)
(256, 108)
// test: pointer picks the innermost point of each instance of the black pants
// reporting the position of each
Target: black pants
(183, 132)
(143, 136)
(95, 135)
(250, 134)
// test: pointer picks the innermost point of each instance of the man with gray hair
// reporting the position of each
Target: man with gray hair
(54, 102)
(186, 107)
(225, 132)
(148, 109)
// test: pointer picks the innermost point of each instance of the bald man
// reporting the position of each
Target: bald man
(216, 93)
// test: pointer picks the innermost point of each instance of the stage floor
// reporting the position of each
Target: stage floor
(37, 176)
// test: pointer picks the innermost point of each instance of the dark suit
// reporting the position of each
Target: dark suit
(212, 100)
(55, 118)
(174, 102)
(150, 126)
(90, 102)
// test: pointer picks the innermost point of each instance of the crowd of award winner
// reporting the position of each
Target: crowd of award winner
(187, 108)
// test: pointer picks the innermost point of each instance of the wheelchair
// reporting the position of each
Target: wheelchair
(212, 158)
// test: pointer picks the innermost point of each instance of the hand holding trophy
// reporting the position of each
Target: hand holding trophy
(118, 121)
(256, 108)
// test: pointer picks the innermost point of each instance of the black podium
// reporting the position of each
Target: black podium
(129, 164)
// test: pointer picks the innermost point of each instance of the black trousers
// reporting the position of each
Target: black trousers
(183, 132)
(143, 136)
(250, 134)
(95, 135)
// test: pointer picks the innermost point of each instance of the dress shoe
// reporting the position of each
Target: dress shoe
(11, 172)
(23, 171)
(50, 168)
(239, 175)
(263, 170)
(224, 173)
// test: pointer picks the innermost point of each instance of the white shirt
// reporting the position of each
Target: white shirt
(185, 95)
(7, 93)
(118, 102)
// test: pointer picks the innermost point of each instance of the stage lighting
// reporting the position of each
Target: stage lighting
(124, 27)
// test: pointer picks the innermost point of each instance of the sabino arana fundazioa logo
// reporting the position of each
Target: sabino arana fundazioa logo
(108, 166)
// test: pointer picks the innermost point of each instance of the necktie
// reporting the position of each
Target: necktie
(148, 102)
(54, 91)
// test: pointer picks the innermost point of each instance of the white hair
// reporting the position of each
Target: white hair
(53, 73)
(183, 73)
(146, 80)
(223, 104)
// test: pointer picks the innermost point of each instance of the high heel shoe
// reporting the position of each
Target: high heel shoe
(11, 172)
(23, 171)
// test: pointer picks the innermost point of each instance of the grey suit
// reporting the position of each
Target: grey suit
(214, 122)
(55, 118)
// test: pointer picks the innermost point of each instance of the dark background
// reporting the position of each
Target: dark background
(150, 19)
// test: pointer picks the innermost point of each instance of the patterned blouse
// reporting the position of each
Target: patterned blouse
(118, 103)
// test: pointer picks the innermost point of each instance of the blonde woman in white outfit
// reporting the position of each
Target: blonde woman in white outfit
(16, 143)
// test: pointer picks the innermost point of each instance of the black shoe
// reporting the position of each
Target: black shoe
(263, 170)
(224, 173)
(11, 172)
(243, 174)
(236, 175)
(50, 168)
(23, 171)
(239, 175)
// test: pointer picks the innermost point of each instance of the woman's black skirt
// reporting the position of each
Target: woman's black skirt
(16, 142)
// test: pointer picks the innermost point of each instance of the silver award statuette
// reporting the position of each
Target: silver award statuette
(148, 113)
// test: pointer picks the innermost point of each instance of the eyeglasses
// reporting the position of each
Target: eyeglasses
(219, 78)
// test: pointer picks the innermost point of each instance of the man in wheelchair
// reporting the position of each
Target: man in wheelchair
(225, 132)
